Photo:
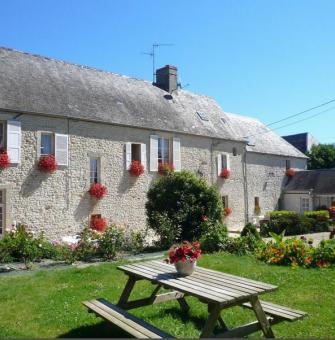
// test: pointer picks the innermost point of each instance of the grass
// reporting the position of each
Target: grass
(48, 303)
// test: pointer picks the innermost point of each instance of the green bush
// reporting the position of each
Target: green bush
(294, 223)
(214, 238)
(320, 215)
(134, 241)
(110, 242)
(251, 230)
(178, 205)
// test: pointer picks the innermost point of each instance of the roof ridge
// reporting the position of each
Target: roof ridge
(72, 63)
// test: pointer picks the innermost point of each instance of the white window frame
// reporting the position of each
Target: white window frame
(3, 207)
(52, 136)
(98, 170)
(305, 204)
(162, 146)
(129, 154)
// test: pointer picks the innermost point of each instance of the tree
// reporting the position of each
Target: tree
(321, 156)
(182, 206)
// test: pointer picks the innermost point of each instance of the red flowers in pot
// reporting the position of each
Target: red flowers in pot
(4, 159)
(227, 211)
(136, 168)
(99, 224)
(164, 168)
(47, 163)
(290, 172)
(98, 190)
(185, 252)
(225, 173)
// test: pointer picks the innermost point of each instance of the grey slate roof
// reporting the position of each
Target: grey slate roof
(36, 84)
(261, 138)
(321, 181)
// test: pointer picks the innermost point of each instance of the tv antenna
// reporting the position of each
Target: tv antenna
(152, 54)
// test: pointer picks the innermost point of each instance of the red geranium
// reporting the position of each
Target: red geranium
(99, 224)
(98, 190)
(225, 173)
(227, 211)
(164, 168)
(47, 163)
(186, 251)
(136, 168)
(290, 172)
(4, 159)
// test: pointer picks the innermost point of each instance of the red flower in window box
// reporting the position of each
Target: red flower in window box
(98, 190)
(99, 224)
(227, 211)
(136, 168)
(164, 168)
(290, 172)
(47, 163)
(225, 173)
(4, 159)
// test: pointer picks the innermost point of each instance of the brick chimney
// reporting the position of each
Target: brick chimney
(166, 78)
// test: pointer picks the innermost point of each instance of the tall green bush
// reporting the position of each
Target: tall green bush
(179, 205)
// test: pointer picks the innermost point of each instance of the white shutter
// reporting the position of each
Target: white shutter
(225, 161)
(219, 164)
(14, 140)
(153, 153)
(62, 149)
(128, 155)
(144, 155)
(176, 154)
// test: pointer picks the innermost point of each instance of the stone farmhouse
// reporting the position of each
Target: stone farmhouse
(97, 122)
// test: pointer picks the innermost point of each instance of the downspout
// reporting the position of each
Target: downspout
(245, 185)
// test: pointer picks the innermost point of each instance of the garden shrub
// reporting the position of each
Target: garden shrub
(294, 223)
(110, 242)
(320, 215)
(251, 229)
(178, 205)
(214, 239)
(134, 241)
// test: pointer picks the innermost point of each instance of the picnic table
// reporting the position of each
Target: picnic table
(216, 289)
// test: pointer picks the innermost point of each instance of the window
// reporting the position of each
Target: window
(94, 170)
(203, 116)
(2, 135)
(256, 202)
(304, 204)
(223, 163)
(234, 151)
(288, 164)
(136, 152)
(225, 201)
(2, 211)
(163, 150)
(47, 144)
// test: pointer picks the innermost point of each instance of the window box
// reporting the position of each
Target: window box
(136, 168)
(47, 163)
(164, 168)
(225, 173)
(98, 223)
(98, 191)
(4, 159)
(290, 172)
(227, 211)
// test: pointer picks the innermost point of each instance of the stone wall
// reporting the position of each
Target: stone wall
(59, 204)
(266, 178)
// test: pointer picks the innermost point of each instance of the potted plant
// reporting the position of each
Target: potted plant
(184, 257)
(225, 173)
(290, 172)
(47, 163)
(98, 191)
(4, 159)
(164, 168)
(136, 168)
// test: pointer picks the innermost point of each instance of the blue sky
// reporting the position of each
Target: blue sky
(266, 59)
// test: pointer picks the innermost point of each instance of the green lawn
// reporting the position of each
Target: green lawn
(48, 303)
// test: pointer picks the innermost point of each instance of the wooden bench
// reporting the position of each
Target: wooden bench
(122, 319)
(279, 313)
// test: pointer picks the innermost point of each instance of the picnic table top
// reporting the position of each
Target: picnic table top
(206, 284)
